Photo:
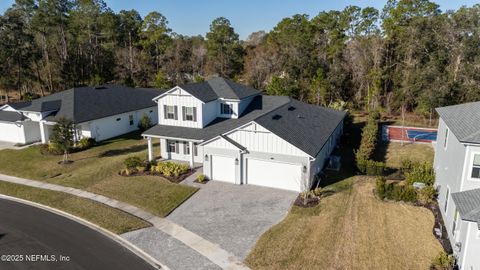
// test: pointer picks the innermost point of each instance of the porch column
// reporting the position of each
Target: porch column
(43, 132)
(190, 145)
(150, 149)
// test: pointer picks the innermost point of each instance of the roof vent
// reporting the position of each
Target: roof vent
(276, 117)
(299, 116)
(100, 87)
(291, 108)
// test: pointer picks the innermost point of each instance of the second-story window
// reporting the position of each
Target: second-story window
(189, 113)
(225, 108)
(476, 167)
(170, 112)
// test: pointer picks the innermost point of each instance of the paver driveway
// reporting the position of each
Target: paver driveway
(233, 216)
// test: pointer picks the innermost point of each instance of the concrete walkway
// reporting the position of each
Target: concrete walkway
(209, 250)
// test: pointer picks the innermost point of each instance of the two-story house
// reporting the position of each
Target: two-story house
(243, 137)
(457, 168)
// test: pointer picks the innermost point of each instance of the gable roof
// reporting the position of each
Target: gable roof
(9, 116)
(219, 88)
(305, 126)
(88, 103)
(462, 120)
(468, 204)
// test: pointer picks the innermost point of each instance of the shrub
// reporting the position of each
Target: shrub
(132, 162)
(318, 191)
(54, 149)
(380, 187)
(85, 143)
(170, 169)
(201, 178)
(374, 167)
(367, 143)
(421, 172)
(443, 261)
(145, 122)
(406, 165)
(427, 194)
(408, 194)
(397, 192)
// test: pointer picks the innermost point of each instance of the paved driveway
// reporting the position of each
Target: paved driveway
(233, 216)
(6, 145)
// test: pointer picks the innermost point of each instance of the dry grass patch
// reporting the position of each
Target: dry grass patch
(393, 153)
(106, 217)
(350, 230)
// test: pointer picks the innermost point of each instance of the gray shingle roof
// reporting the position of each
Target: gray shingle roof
(88, 103)
(258, 106)
(219, 88)
(305, 126)
(468, 204)
(8, 116)
(462, 120)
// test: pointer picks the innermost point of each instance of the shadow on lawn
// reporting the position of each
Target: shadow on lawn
(122, 151)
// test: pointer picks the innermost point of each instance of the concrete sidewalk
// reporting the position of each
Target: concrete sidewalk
(207, 249)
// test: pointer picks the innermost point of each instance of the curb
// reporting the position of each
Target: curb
(136, 250)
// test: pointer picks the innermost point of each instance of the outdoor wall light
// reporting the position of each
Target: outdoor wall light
(304, 169)
(236, 161)
(206, 157)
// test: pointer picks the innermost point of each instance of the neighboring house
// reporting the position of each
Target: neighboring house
(98, 112)
(243, 137)
(457, 168)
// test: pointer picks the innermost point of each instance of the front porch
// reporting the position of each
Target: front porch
(177, 149)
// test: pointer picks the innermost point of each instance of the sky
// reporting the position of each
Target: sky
(193, 17)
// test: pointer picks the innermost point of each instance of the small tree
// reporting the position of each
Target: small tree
(145, 122)
(62, 136)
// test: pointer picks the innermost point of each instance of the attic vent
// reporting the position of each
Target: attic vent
(100, 87)
(276, 117)
(291, 108)
(299, 116)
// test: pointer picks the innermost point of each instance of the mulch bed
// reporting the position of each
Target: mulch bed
(172, 179)
(203, 183)
(311, 202)
(439, 224)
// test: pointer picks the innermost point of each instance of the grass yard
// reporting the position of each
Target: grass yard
(393, 153)
(96, 170)
(106, 217)
(350, 229)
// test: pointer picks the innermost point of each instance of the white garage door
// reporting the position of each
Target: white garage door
(223, 169)
(273, 174)
(10, 132)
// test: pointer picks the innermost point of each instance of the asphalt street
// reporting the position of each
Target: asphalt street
(32, 238)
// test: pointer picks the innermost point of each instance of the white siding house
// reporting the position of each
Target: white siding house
(242, 137)
(458, 181)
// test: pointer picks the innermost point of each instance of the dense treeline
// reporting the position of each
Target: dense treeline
(408, 55)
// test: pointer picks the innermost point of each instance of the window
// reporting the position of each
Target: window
(130, 119)
(446, 201)
(455, 217)
(446, 139)
(186, 148)
(189, 113)
(195, 149)
(170, 112)
(172, 147)
(476, 167)
(225, 108)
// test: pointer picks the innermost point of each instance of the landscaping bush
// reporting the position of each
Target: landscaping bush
(132, 162)
(367, 143)
(170, 169)
(374, 167)
(54, 149)
(408, 194)
(443, 261)
(85, 143)
(420, 172)
(145, 122)
(201, 178)
(380, 187)
(406, 165)
(427, 194)
(396, 192)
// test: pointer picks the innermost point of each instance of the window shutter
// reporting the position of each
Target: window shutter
(194, 114)
(184, 115)
(176, 146)
(176, 112)
(164, 111)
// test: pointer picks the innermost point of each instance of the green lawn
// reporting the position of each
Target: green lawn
(350, 229)
(106, 217)
(96, 170)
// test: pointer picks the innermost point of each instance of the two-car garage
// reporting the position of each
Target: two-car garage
(19, 132)
(273, 174)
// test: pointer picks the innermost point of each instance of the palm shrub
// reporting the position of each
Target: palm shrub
(201, 178)
(85, 143)
(443, 261)
(427, 194)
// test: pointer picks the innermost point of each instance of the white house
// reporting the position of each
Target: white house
(457, 167)
(243, 137)
(98, 112)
